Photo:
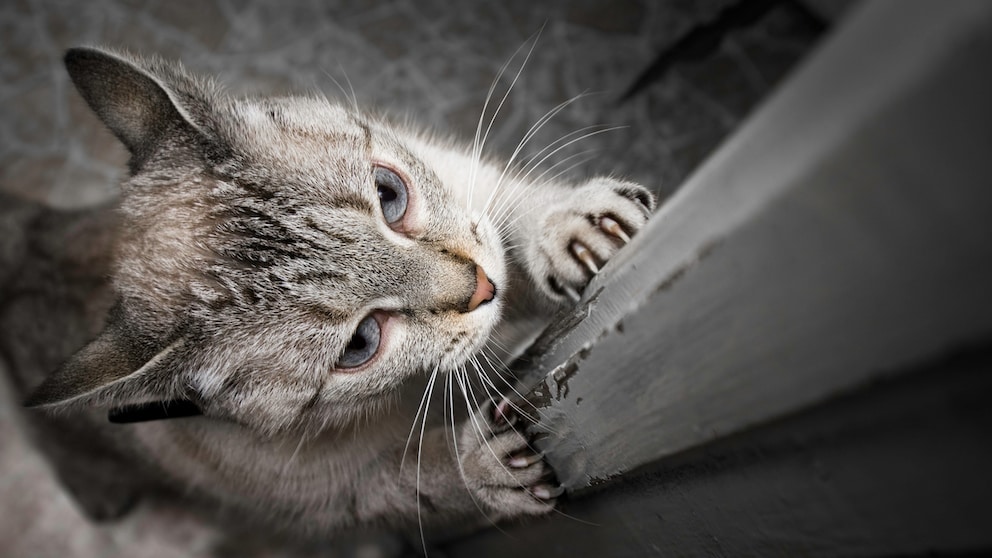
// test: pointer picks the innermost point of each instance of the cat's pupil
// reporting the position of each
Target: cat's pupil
(363, 345)
(386, 194)
(357, 343)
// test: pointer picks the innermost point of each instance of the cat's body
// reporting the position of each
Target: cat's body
(299, 273)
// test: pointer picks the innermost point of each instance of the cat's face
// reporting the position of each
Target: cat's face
(340, 264)
(292, 261)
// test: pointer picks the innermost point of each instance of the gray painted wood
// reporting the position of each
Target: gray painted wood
(898, 469)
(845, 232)
(839, 240)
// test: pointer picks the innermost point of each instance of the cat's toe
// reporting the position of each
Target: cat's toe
(587, 231)
(504, 471)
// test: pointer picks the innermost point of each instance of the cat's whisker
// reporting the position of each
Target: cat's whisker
(523, 179)
(534, 156)
(507, 206)
(448, 390)
(424, 403)
(483, 376)
(500, 221)
(569, 143)
(352, 98)
(493, 393)
(519, 410)
(510, 211)
(530, 162)
(466, 389)
(471, 392)
(534, 129)
(502, 196)
(420, 451)
(496, 371)
(477, 142)
(480, 143)
(509, 424)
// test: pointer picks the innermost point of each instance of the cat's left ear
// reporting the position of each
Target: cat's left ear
(143, 102)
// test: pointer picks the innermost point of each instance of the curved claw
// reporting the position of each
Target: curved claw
(585, 256)
(571, 293)
(525, 460)
(612, 227)
(546, 491)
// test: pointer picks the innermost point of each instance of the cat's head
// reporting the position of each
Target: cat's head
(280, 262)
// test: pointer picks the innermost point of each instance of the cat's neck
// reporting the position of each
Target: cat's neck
(221, 457)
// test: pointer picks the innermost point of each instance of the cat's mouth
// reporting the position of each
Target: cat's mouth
(485, 289)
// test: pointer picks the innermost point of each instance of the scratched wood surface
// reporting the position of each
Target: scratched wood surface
(839, 240)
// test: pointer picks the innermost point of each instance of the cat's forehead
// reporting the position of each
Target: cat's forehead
(298, 128)
(310, 135)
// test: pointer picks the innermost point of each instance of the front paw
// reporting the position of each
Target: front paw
(582, 232)
(500, 467)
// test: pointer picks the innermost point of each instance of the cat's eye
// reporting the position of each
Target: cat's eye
(363, 345)
(392, 194)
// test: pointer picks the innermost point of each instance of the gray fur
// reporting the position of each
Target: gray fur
(249, 244)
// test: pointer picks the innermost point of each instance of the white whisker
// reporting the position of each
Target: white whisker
(534, 129)
(499, 220)
(479, 144)
(521, 181)
(424, 402)
(420, 452)
(352, 98)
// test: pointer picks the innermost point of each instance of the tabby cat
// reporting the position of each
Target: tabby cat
(288, 279)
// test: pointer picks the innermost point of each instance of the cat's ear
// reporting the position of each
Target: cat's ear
(111, 370)
(141, 102)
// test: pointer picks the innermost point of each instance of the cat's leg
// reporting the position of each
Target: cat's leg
(565, 235)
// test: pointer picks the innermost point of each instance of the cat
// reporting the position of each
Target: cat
(288, 279)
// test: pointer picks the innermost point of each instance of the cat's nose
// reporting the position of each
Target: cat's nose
(484, 289)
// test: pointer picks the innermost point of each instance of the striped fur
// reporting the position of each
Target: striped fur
(250, 245)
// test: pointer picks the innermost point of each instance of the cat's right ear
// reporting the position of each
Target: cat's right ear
(141, 102)
(112, 370)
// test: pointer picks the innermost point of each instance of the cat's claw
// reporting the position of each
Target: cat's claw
(547, 491)
(613, 228)
(571, 293)
(585, 256)
(583, 231)
(524, 460)
(503, 470)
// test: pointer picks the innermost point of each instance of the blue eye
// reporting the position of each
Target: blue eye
(392, 194)
(363, 345)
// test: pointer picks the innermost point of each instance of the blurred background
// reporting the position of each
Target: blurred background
(677, 76)
(432, 61)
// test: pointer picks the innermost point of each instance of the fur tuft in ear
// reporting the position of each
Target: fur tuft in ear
(140, 103)
(111, 369)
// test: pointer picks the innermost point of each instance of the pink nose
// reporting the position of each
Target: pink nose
(484, 289)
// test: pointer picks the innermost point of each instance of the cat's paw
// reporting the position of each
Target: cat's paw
(501, 468)
(582, 231)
